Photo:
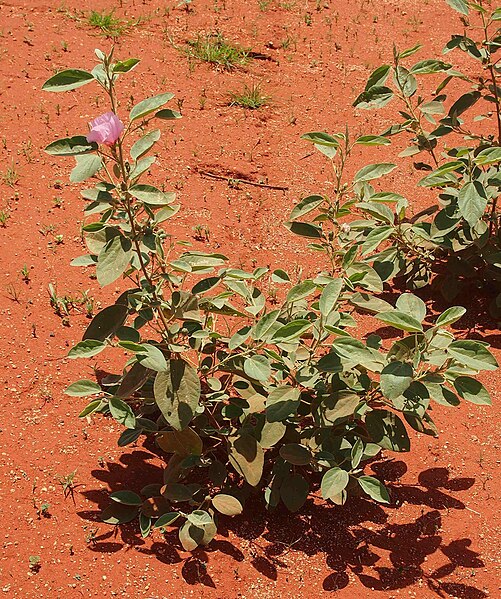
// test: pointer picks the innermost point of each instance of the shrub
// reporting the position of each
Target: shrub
(241, 394)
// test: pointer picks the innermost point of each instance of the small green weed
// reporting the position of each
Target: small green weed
(214, 48)
(25, 273)
(68, 484)
(11, 176)
(106, 22)
(250, 97)
(4, 217)
(202, 232)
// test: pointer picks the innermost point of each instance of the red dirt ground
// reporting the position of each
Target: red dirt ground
(441, 538)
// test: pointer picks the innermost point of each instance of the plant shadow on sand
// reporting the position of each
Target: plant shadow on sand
(353, 538)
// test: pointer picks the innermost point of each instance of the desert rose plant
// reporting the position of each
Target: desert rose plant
(242, 394)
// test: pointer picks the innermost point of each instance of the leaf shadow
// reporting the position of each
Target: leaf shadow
(354, 539)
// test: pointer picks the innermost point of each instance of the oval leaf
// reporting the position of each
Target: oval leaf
(82, 388)
(177, 393)
(227, 504)
(67, 80)
(333, 482)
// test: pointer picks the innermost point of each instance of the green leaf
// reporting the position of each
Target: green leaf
(281, 403)
(405, 80)
(239, 337)
(141, 167)
(367, 302)
(190, 536)
(270, 434)
(124, 66)
(442, 395)
(86, 349)
(331, 362)
(257, 367)
(199, 518)
(488, 156)
(82, 388)
(144, 525)
(395, 379)
(177, 393)
(373, 171)
(265, 327)
(472, 354)
(410, 51)
(472, 390)
(379, 210)
(295, 454)
(151, 357)
(378, 77)
(125, 333)
(91, 407)
(373, 140)
(374, 488)
(352, 351)
(71, 146)
(247, 457)
(334, 481)
(300, 291)
(330, 296)
(472, 202)
(339, 405)
(387, 430)
(292, 331)
(117, 513)
(227, 504)
(321, 139)
(168, 115)
(166, 519)
(294, 492)
(67, 80)
(106, 322)
(304, 229)
(205, 285)
(122, 412)
(412, 305)
(149, 105)
(151, 195)
(134, 380)
(365, 276)
(463, 103)
(450, 315)
(426, 67)
(401, 321)
(460, 6)
(126, 498)
(113, 259)
(306, 205)
(280, 276)
(183, 443)
(375, 238)
(86, 167)
(375, 97)
(129, 436)
(144, 144)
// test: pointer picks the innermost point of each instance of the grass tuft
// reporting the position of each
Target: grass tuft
(250, 97)
(216, 50)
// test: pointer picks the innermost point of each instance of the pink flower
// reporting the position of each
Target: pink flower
(105, 129)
